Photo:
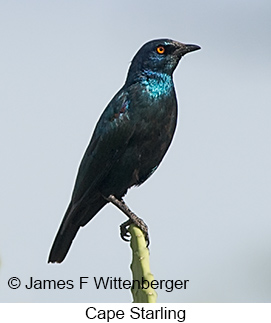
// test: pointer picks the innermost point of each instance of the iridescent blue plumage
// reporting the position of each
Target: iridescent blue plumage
(157, 84)
(130, 139)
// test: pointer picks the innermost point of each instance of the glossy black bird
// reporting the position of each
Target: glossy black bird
(130, 139)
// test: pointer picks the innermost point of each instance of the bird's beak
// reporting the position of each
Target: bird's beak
(187, 48)
(191, 48)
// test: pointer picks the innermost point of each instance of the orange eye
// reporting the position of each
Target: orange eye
(160, 49)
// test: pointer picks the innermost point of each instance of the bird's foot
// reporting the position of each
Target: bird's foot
(124, 233)
(133, 219)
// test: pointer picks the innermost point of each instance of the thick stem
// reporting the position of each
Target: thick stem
(140, 268)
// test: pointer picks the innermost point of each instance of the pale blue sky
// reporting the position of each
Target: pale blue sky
(208, 204)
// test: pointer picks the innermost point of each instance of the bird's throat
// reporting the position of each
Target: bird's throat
(157, 84)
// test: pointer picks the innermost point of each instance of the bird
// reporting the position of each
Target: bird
(129, 141)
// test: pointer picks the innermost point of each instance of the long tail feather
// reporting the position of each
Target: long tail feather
(74, 218)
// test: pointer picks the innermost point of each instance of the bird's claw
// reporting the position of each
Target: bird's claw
(125, 235)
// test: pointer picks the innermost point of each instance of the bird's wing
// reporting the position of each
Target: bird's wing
(110, 138)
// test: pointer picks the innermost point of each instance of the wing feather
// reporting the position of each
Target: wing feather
(109, 141)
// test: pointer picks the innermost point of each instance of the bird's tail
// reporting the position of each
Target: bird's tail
(72, 221)
(62, 243)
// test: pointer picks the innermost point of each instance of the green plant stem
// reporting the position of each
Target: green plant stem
(140, 268)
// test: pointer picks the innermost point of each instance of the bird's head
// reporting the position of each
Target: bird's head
(160, 55)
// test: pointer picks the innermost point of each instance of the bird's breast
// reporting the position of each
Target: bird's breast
(155, 118)
(157, 85)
